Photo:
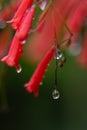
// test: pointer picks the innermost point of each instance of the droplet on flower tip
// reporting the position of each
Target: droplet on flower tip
(18, 69)
(55, 94)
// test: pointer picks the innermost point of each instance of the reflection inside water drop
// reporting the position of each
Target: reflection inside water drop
(23, 42)
(18, 69)
(58, 54)
(55, 94)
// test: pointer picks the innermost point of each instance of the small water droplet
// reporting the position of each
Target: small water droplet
(58, 55)
(18, 69)
(23, 42)
(43, 4)
(41, 83)
(55, 94)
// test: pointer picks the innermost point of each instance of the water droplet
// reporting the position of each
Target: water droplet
(55, 94)
(43, 4)
(18, 69)
(23, 42)
(58, 55)
(41, 83)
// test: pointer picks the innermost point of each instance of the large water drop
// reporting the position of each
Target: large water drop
(55, 94)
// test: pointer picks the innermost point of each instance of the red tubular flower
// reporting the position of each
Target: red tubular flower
(26, 24)
(8, 10)
(76, 20)
(24, 5)
(14, 53)
(34, 83)
(51, 27)
(16, 47)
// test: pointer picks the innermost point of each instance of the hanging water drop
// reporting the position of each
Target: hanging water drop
(58, 54)
(18, 69)
(55, 94)
(61, 62)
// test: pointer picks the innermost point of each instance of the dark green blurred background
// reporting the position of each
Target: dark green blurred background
(26, 112)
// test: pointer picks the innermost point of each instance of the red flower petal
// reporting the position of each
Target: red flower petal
(25, 4)
(14, 53)
(34, 83)
(26, 24)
